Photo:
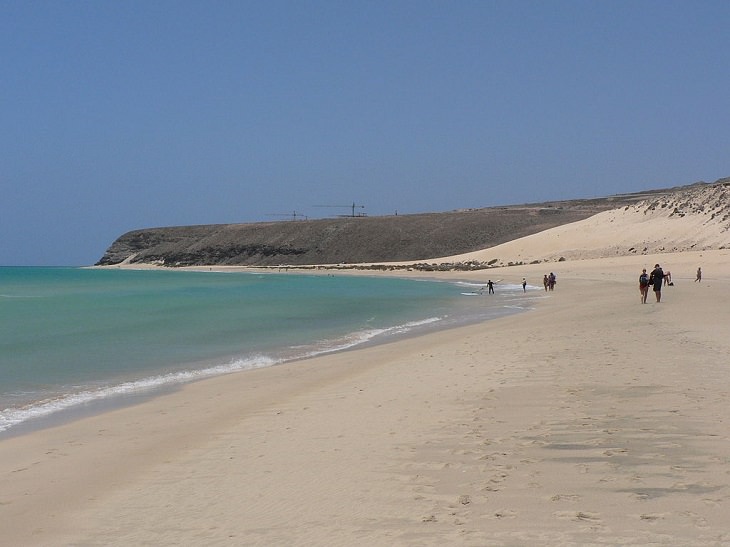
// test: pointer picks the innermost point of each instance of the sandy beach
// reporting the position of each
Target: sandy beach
(589, 420)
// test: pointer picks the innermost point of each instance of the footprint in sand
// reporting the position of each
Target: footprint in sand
(579, 516)
(464, 499)
(614, 451)
(498, 478)
(712, 502)
(565, 497)
(697, 520)
(505, 514)
(651, 517)
(582, 468)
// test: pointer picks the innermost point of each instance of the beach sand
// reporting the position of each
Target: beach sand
(589, 420)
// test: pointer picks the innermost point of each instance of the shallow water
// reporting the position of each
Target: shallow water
(70, 336)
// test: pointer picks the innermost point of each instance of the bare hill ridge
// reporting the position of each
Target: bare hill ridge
(404, 238)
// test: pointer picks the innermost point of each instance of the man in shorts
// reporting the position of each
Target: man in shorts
(656, 279)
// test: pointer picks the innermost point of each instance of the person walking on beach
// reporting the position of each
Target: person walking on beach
(490, 286)
(699, 275)
(524, 285)
(656, 279)
(545, 282)
(644, 285)
(552, 279)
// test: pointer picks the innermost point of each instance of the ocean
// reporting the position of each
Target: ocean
(71, 338)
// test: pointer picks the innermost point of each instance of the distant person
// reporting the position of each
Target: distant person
(644, 285)
(490, 286)
(699, 275)
(656, 278)
(546, 282)
(668, 278)
(552, 279)
(524, 285)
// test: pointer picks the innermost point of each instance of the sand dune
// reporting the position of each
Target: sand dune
(690, 220)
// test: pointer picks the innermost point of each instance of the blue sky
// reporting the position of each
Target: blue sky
(133, 114)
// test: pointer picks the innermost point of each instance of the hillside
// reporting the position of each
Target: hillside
(371, 239)
(693, 218)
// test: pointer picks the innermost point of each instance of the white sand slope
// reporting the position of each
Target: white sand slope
(688, 220)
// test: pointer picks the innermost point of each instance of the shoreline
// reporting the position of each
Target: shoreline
(73, 406)
(591, 416)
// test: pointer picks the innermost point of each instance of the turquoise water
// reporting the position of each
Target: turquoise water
(69, 336)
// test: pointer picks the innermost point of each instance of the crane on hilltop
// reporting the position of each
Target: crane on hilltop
(353, 206)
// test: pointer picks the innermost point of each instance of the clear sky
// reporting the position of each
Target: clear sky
(133, 114)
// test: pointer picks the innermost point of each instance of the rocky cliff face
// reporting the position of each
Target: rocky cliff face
(352, 239)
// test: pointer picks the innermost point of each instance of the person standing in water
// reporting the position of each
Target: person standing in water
(524, 285)
(490, 286)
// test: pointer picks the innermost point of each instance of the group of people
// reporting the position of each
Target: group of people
(490, 286)
(655, 280)
(549, 281)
